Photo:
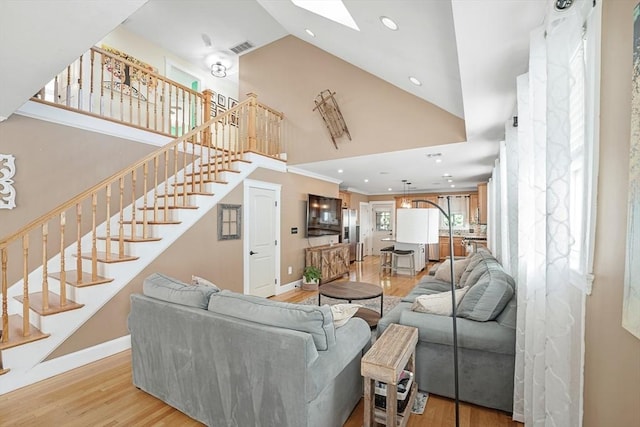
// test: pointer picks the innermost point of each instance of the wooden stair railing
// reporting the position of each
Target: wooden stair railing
(125, 205)
(106, 85)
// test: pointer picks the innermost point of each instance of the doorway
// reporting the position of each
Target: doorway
(382, 221)
(262, 235)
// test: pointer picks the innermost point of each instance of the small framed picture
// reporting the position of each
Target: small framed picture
(232, 102)
(222, 110)
(222, 100)
(213, 108)
(233, 119)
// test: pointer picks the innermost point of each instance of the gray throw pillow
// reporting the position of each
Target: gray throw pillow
(487, 298)
(168, 289)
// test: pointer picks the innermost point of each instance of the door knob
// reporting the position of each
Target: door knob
(252, 253)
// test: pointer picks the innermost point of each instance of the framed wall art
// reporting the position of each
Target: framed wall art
(229, 222)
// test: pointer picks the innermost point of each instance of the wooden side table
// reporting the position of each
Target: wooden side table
(385, 360)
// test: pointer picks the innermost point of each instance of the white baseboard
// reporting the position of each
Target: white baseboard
(65, 363)
(288, 287)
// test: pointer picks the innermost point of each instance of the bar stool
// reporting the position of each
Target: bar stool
(398, 253)
(386, 257)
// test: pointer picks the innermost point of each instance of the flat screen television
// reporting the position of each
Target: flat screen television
(324, 215)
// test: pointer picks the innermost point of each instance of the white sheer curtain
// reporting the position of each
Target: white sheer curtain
(550, 331)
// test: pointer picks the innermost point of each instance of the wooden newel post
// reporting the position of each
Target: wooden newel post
(251, 126)
(208, 97)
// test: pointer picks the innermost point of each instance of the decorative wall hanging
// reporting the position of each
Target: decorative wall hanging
(328, 107)
(7, 171)
(631, 303)
(229, 222)
(124, 75)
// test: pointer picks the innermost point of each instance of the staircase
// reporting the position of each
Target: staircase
(70, 262)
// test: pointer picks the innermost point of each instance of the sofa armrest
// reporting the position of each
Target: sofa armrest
(483, 336)
(351, 339)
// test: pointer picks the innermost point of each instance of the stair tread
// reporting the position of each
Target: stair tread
(205, 172)
(204, 181)
(150, 222)
(188, 193)
(15, 333)
(71, 277)
(150, 208)
(109, 258)
(234, 160)
(132, 239)
(36, 303)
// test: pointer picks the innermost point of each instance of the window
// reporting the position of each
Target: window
(383, 221)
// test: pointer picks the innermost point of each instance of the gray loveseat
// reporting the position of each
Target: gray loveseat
(227, 359)
(486, 335)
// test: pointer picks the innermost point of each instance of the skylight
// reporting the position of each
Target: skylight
(334, 10)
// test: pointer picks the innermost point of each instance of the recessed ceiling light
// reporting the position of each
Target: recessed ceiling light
(389, 189)
(389, 23)
(415, 81)
(449, 180)
(446, 175)
(453, 185)
(366, 180)
(438, 160)
(340, 171)
(308, 31)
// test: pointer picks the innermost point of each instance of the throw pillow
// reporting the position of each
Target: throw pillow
(438, 303)
(343, 312)
(487, 298)
(196, 280)
(444, 271)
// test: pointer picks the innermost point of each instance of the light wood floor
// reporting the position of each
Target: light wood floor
(101, 393)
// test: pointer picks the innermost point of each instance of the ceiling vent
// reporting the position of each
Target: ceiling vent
(241, 47)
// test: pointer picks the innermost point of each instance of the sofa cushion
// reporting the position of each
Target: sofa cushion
(439, 303)
(487, 298)
(168, 289)
(473, 262)
(314, 320)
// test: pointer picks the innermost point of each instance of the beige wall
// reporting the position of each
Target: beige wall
(612, 359)
(55, 163)
(289, 73)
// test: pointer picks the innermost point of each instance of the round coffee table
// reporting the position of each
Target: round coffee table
(352, 291)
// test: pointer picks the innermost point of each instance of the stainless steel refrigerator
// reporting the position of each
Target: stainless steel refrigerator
(349, 234)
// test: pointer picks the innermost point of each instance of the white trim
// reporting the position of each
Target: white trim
(67, 362)
(312, 175)
(277, 188)
(288, 287)
(3, 118)
(49, 113)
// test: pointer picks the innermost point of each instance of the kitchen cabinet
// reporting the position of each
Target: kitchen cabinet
(474, 217)
(332, 260)
(419, 255)
(458, 249)
(346, 199)
(482, 202)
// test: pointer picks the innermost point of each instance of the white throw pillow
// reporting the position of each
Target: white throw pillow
(444, 271)
(439, 303)
(342, 313)
(196, 280)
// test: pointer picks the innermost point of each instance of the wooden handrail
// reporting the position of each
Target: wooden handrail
(115, 177)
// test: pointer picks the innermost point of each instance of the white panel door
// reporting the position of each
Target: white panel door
(262, 242)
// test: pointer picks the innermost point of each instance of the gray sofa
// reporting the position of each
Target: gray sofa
(486, 324)
(227, 359)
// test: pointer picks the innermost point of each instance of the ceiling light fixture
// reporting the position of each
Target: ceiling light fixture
(453, 186)
(446, 175)
(218, 70)
(366, 180)
(340, 171)
(415, 81)
(389, 188)
(308, 31)
(389, 23)
(405, 202)
(438, 160)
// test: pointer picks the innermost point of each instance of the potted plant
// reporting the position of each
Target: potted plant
(311, 278)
